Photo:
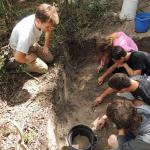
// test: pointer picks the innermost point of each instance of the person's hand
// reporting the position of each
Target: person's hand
(99, 68)
(99, 123)
(102, 121)
(100, 80)
(31, 57)
(45, 50)
(97, 101)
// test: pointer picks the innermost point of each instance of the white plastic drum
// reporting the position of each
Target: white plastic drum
(128, 10)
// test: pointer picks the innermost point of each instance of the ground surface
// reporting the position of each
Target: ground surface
(29, 103)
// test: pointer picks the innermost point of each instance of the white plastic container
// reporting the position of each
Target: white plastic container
(128, 10)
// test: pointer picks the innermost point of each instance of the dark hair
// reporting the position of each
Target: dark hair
(45, 12)
(102, 48)
(119, 81)
(117, 52)
(123, 114)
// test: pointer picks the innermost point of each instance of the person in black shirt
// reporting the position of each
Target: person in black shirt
(133, 63)
(120, 82)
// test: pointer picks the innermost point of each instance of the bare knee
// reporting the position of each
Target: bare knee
(112, 141)
(45, 69)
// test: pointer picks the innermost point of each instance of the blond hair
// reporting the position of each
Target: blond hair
(46, 12)
(110, 38)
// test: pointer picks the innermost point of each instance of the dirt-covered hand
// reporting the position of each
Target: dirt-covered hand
(99, 68)
(99, 123)
(100, 80)
(97, 101)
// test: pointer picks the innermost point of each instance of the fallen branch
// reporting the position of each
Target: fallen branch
(31, 76)
(21, 141)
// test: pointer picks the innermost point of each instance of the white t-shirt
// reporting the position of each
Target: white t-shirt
(24, 35)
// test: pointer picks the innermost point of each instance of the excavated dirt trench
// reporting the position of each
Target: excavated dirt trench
(80, 92)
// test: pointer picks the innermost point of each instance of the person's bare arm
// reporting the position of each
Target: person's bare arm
(100, 98)
(106, 73)
(48, 35)
(130, 71)
(24, 58)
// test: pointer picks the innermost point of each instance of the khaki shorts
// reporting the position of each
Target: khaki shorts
(38, 66)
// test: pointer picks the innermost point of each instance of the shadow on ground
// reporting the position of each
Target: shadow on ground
(10, 84)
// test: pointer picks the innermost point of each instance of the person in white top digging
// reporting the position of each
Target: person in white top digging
(26, 34)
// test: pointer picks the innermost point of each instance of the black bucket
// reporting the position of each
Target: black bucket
(84, 131)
